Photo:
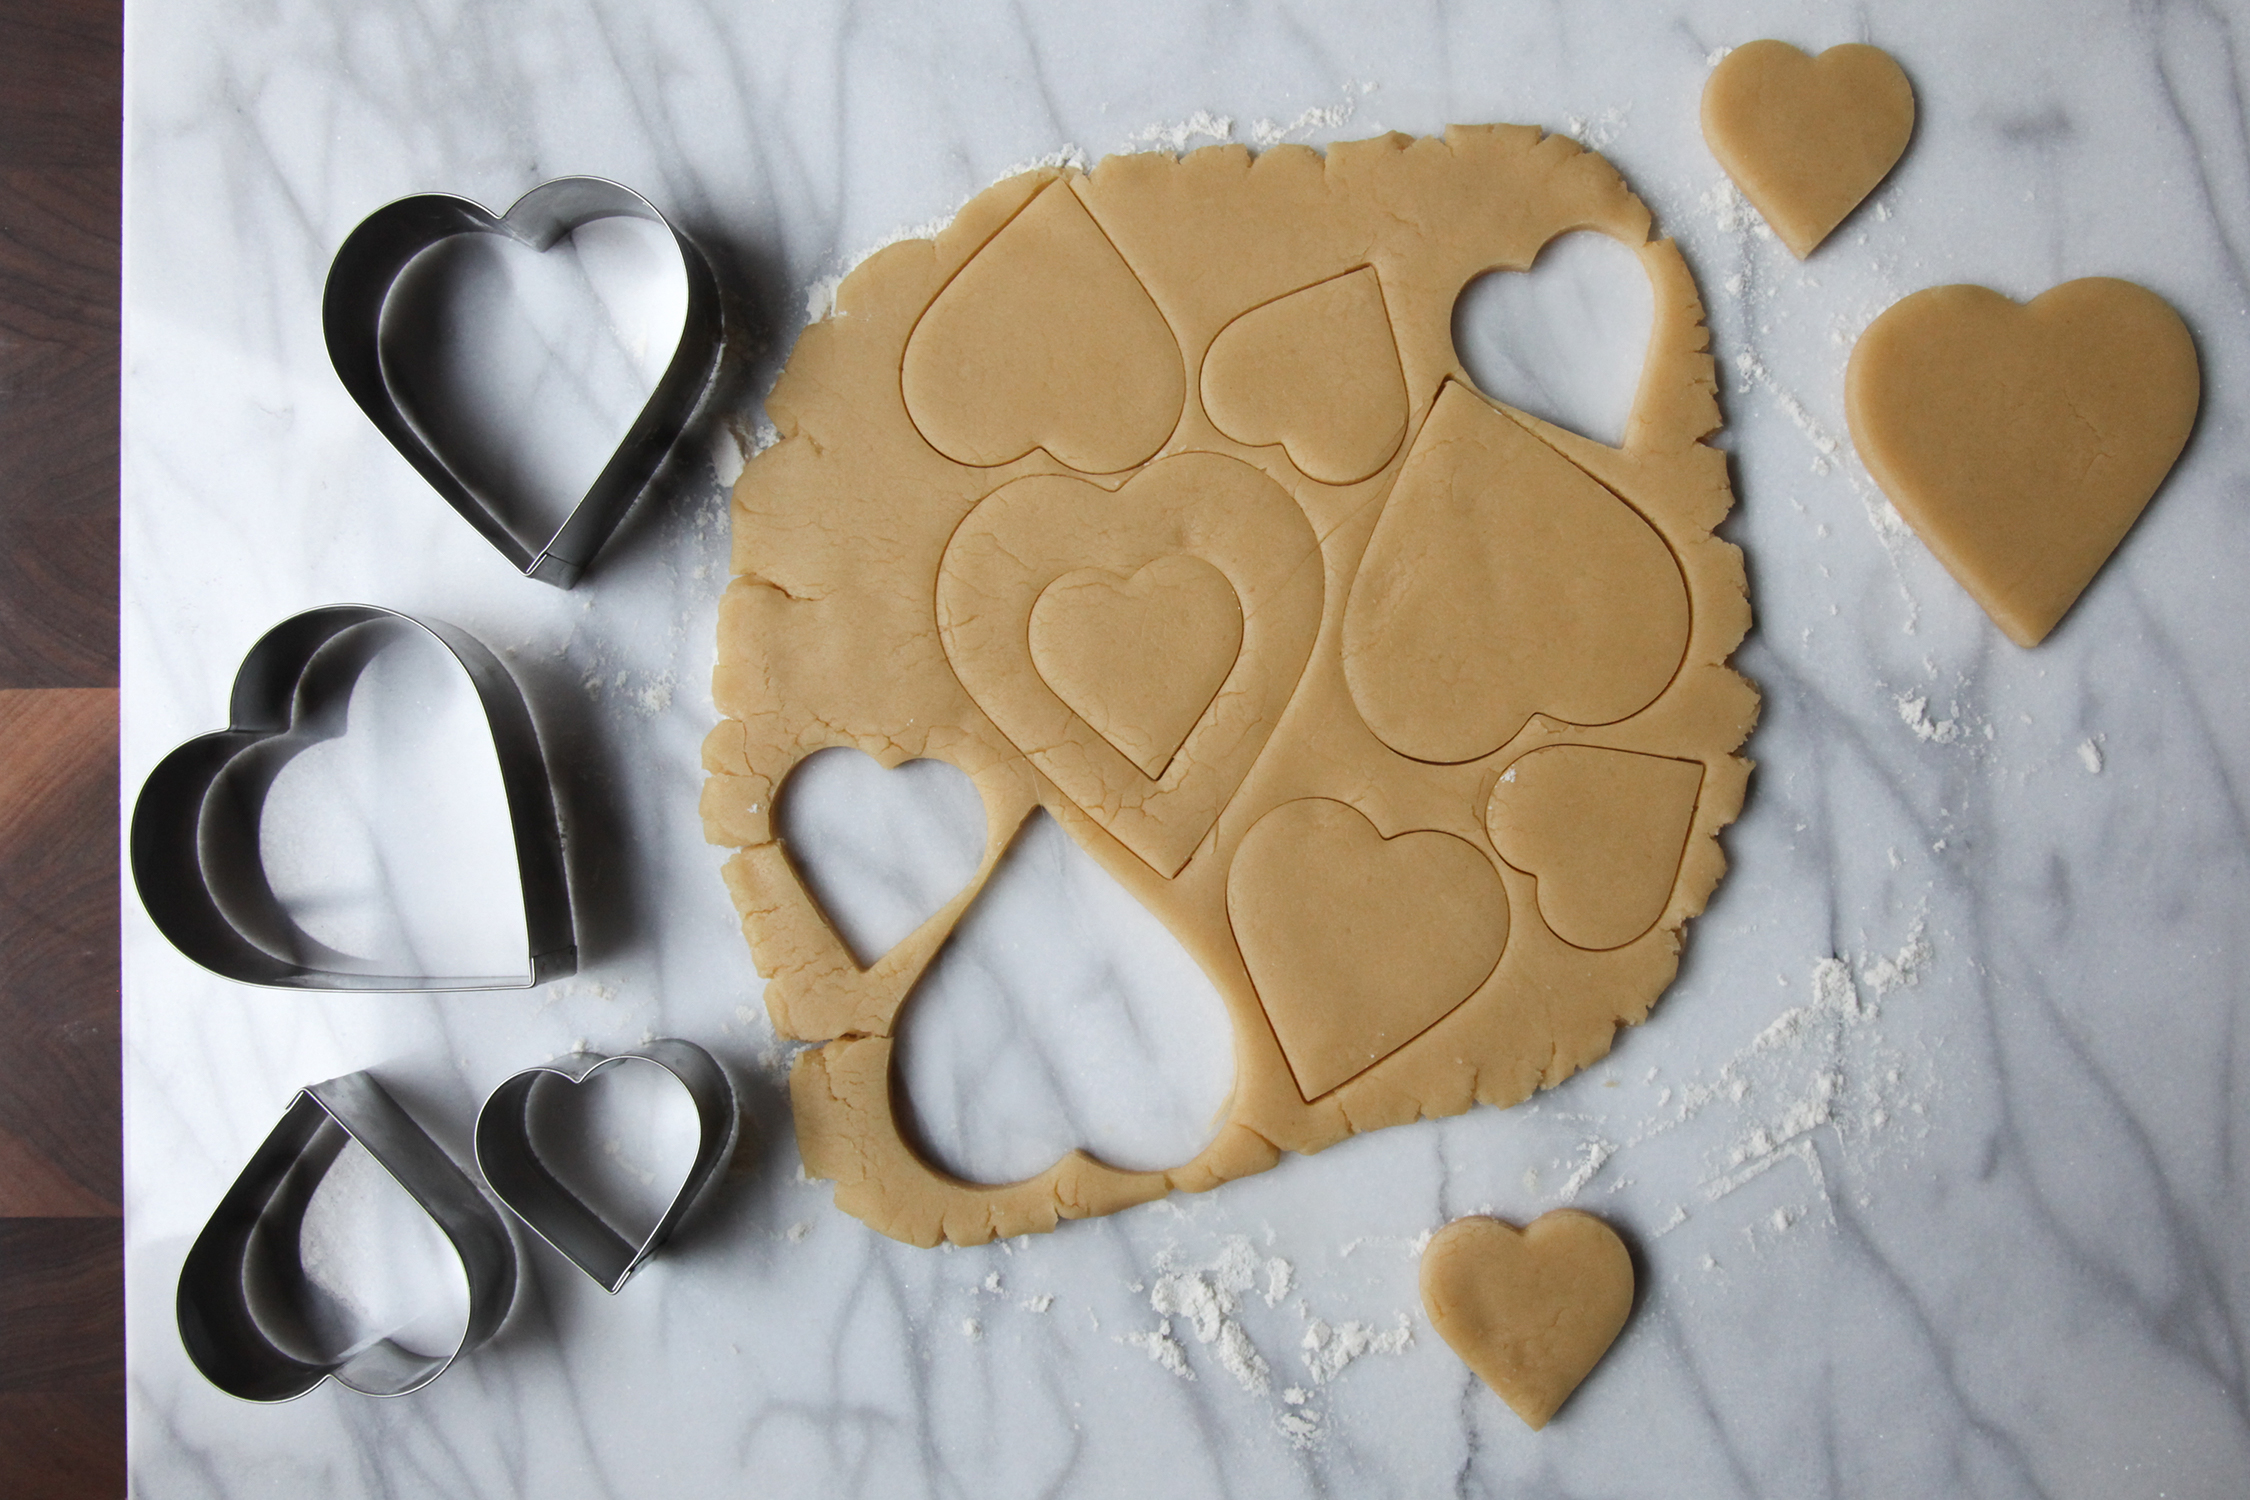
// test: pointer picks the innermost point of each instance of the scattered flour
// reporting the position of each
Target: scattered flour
(1595, 132)
(1163, 1348)
(1314, 121)
(972, 1330)
(1914, 711)
(1202, 125)
(1038, 1304)
(1328, 1348)
(2090, 755)
(1598, 1152)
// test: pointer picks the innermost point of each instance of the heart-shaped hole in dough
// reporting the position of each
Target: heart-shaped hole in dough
(880, 851)
(524, 369)
(1061, 1013)
(1564, 341)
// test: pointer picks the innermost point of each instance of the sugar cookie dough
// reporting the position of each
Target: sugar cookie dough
(1158, 497)
(2022, 442)
(1531, 1311)
(1807, 138)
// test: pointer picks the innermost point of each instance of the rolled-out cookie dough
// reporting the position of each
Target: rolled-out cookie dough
(1158, 497)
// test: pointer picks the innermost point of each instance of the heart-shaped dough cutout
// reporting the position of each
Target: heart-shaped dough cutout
(1316, 371)
(1139, 658)
(1602, 830)
(1045, 339)
(1024, 536)
(1807, 138)
(1503, 581)
(1531, 1311)
(2022, 442)
(1358, 943)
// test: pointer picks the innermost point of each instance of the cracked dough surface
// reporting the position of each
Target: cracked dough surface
(1159, 498)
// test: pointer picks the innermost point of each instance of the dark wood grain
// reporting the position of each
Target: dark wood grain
(62, 1379)
(62, 1357)
(60, 97)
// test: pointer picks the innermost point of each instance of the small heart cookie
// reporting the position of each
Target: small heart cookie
(1805, 138)
(2022, 442)
(1531, 1311)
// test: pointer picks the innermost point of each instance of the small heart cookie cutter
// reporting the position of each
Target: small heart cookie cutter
(520, 1179)
(255, 1228)
(194, 844)
(359, 282)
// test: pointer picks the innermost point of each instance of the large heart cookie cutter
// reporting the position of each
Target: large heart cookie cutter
(253, 1234)
(194, 842)
(371, 260)
(519, 1178)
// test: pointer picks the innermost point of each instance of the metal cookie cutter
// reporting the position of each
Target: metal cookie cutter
(360, 280)
(194, 842)
(513, 1169)
(253, 1236)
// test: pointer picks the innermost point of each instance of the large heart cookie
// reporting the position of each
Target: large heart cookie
(1807, 138)
(1531, 1311)
(1359, 943)
(2022, 442)
(1026, 536)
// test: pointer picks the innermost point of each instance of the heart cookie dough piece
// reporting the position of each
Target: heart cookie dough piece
(1358, 943)
(1139, 659)
(1316, 371)
(1028, 536)
(1045, 339)
(2022, 442)
(1602, 831)
(1805, 138)
(1503, 581)
(1530, 1311)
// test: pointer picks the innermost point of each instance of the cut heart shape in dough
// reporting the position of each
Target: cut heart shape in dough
(1316, 371)
(1060, 1016)
(1139, 658)
(1807, 138)
(880, 852)
(1358, 943)
(1531, 1311)
(1602, 831)
(1045, 339)
(2022, 442)
(1503, 581)
(1026, 535)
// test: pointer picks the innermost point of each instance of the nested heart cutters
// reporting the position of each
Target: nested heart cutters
(194, 843)
(517, 1175)
(371, 260)
(253, 1235)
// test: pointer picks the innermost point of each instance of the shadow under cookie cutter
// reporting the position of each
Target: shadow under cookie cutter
(371, 260)
(520, 1179)
(194, 840)
(254, 1233)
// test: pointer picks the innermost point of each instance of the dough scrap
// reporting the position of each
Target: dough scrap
(2021, 442)
(1805, 138)
(888, 597)
(1531, 1311)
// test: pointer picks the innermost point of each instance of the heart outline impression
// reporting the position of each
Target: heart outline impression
(378, 251)
(1032, 531)
(518, 1177)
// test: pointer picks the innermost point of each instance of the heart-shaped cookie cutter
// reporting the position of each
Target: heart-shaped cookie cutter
(194, 841)
(254, 1234)
(520, 1179)
(359, 282)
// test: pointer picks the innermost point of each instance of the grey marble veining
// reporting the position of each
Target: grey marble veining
(1929, 1158)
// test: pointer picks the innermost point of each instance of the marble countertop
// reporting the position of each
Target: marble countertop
(1928, 1158)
